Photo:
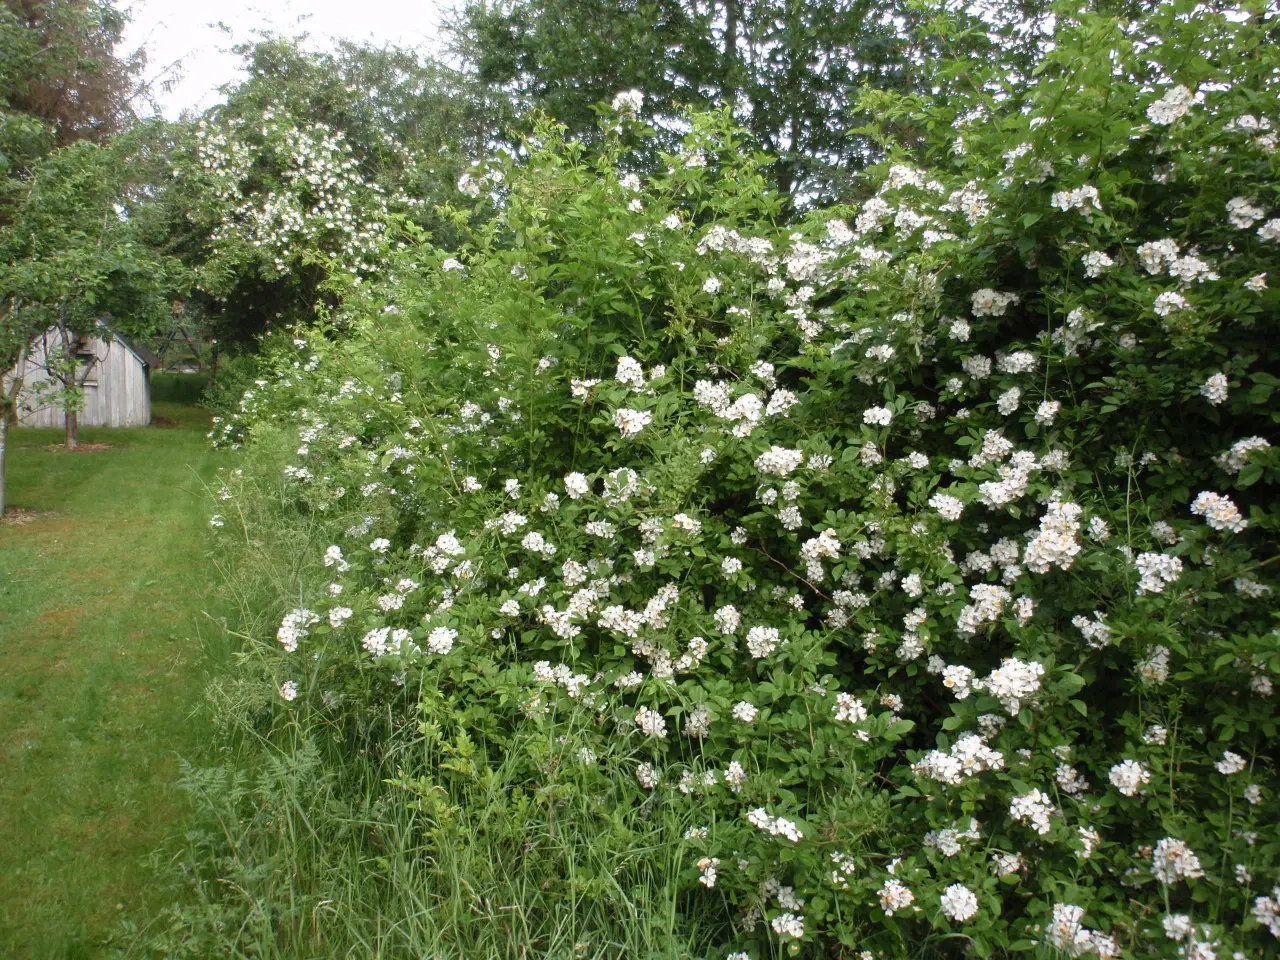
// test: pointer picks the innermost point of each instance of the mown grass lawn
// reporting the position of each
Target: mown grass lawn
(103, 584)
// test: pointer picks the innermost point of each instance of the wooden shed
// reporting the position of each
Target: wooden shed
(117, 391)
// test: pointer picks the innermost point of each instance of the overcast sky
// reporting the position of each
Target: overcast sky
(183, 30)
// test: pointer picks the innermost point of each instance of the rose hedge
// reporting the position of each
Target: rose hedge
(915, 563)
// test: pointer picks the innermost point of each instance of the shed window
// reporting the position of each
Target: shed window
(85, 355)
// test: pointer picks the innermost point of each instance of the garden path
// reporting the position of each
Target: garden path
(103, 583)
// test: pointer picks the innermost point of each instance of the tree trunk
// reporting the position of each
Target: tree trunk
(732, 75)
(4, 444)
(9, 413)
(76, 401)
(213, 368)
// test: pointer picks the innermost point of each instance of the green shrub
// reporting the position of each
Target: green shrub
(897, 582)
(179, 387)
(232, 392)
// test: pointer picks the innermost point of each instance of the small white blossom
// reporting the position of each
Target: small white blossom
(895, 897)
(1169, 303)
(775, 826)
(1155, 570)
(628, 103)
(1034, 809)
(576, 486)
(762, 641)
(1047, 411)
(1172, 860)
(631, 422)
(1096, 262)
(948, 506)
(440, 640)
(1219, 512)
(1215, 389)
(989, 303)
(959, 903)
(779, 461)
(1008, 401)
(1231, 763)
(651, 723)
(1172, 105)
(1129, 777)
(788, 926)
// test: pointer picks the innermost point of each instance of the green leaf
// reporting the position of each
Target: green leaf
(1260, 393)
(1070, 683)
(1250, 475)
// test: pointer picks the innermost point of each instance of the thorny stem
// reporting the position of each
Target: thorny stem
(793, 573)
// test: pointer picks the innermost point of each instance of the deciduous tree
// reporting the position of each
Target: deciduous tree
(62, 78)
(295, 181)
(791, 69)
(71, 258)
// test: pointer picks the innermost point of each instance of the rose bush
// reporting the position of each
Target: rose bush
(900, 580)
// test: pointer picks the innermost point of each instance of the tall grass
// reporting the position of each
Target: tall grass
(377, 826)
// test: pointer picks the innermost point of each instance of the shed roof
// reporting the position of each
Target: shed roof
(140, 352)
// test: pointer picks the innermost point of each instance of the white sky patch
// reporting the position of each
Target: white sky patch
(188, 30)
